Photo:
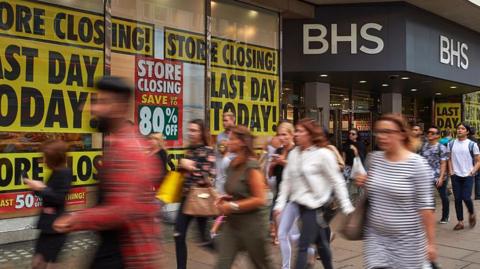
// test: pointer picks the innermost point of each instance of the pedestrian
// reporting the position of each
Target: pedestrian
(464, 162)
(400, 225)
(245, 205)
(157, 149)
(472, 136)
(418, 138)
(279, 160)
(198, 167)
(311, 174)
(446, 137)
(50, 243)
(348, 150)
(126, 211)
(223, 157)
(437, 157)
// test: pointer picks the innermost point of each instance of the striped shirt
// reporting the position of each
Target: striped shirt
(395, 235)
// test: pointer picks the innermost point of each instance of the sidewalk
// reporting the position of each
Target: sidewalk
(457, 249)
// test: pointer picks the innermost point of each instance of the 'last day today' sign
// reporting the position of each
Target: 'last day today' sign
(448, 115)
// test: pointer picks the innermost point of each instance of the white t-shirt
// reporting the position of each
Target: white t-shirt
(462, 162)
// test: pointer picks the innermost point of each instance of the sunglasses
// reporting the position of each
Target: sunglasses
(432, 133)
(352, 133)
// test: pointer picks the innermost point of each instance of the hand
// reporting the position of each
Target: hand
(451, 173)
(35, 184)
(431, 252)
(355, 150)
(361, 179)
(187, 164)
(224, 208)
(222, 199)
(440, 183)
(472, 173)
(63, 224)
(276, 214)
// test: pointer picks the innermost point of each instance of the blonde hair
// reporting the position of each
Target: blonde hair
(287, 126)
(158, 138)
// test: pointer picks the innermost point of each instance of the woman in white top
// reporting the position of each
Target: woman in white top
(309, 178)
(400, 229)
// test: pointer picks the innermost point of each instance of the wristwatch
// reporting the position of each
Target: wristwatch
(234, 206)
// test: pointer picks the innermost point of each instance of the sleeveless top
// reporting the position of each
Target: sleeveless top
(237, 183)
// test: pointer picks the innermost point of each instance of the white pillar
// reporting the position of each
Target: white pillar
(391, 103)
(317, 97)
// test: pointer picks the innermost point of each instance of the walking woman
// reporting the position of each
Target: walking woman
(50, 243)
(400, 231)
(198, 167)
(279, 160)
(311, 174)
(245, 205)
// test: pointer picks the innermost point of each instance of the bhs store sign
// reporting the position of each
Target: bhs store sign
(315, 41)
(453, 52)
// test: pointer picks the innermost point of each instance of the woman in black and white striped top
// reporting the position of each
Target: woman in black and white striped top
(400, 231)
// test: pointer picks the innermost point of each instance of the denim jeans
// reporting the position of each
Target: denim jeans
(311, 233)
(462, 191)
(477, 186)
(443, 192)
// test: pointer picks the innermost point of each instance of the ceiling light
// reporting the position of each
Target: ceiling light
(385, 85)
(413, 90)
(362, 81)
(438, 93)
(252, 13)
(453, 87)
(323, 75)
(405, 78)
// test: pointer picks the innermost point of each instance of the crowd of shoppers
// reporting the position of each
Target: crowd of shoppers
(306, 175)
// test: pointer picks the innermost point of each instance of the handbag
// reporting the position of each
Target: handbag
(355, 222)
(200, 202)
(171, 189)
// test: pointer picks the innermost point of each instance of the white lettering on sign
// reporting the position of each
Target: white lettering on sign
(453, 52)
(315, 42)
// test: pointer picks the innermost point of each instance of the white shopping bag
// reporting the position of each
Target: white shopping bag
(357, 168)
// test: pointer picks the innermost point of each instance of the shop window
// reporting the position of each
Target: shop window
(50, 56)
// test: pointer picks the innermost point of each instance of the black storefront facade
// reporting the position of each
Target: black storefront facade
(351, 63)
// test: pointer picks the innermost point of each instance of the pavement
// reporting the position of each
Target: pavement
(457, 250)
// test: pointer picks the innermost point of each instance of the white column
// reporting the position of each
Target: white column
(317, 96)
(391, 103)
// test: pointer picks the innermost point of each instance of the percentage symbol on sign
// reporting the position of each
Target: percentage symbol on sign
(172, 118)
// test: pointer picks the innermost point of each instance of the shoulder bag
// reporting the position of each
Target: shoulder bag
(200, 201)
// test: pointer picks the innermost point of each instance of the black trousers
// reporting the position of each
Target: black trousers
(180, 234)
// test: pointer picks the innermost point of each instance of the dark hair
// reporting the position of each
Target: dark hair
(203, 131)
(244, 134)
(318, 136)
(115, 85)
(467, 126)
(435, 127)
(55, 153)
(402, 124)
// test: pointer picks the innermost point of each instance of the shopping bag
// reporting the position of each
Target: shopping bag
(171, 189)
(357, 168)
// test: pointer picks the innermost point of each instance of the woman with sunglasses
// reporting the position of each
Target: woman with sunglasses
(400, 229)
(352, 148)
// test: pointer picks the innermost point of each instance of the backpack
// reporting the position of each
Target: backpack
(471, 146)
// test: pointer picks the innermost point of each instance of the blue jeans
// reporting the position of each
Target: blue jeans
(443, 192)
(462, 191)
(312, 233)
(477, 186)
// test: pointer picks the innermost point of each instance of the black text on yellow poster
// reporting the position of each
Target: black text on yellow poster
(84, 167)
(252, 97)
(63, 25)
(447, 115)
(190, 47)
(46, 87)
(244, 79)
